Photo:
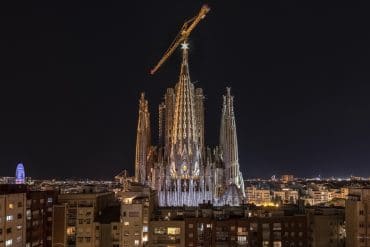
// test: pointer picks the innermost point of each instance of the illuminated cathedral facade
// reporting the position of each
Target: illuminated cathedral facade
(180, 167)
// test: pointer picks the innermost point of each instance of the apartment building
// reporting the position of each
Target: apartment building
(12, 215)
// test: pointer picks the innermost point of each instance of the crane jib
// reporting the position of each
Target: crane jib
(185, 31)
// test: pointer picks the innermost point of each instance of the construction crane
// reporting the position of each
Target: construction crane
(182, 36)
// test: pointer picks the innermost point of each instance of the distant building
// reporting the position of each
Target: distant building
(20, 175)
(74, 217)
(7, 180)
(357, 217)
(39, 216)
(12, 215)
(287, 178)
(258, 196)
(286, 196)
(317, 194)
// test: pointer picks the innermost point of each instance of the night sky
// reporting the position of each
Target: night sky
(71, 75)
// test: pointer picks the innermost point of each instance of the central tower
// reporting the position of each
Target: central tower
(182, 122)
(185, 154)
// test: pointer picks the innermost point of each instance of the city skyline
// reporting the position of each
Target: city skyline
(72, 78)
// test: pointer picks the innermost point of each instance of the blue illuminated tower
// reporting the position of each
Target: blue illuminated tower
(20, 175)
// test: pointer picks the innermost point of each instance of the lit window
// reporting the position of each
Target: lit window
(277, 244)
(128, 201)
(50, 199)
(173, 230)
(137, 242)
(9, 242)
(126, 223)
(28, 214)
(145, 228)
(242, 240)
(265, 243)
(71, 230)
(242, 230)
(209, 225)
(11, 205)
(9, 217)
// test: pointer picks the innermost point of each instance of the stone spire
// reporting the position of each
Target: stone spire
(229, 143)
(184, 159)
(199, 115)
(142, 141)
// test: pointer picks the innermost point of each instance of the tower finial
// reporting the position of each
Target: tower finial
(185, 45)
(185, 52)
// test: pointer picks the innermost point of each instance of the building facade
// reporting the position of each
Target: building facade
(39, 214)
(12, 215)
(136, 210)
(108, 228)
(74, 218)
(358, 217)
(167, 233)
(286, 196)
(227, 226)
(181, 168)
(326, 226)
(258, 196)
